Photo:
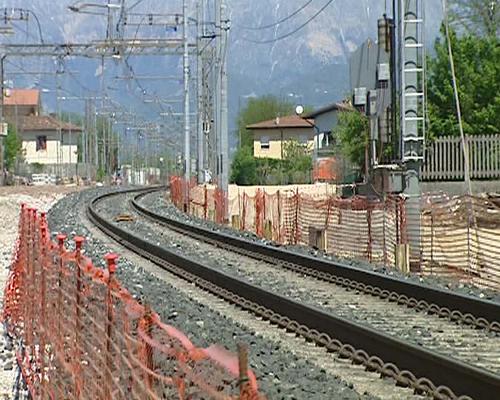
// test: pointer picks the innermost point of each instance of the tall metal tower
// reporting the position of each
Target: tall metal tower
(186, 77)
(212, 55)
(412, 110)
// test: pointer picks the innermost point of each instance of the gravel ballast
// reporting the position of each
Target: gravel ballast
(281, 374)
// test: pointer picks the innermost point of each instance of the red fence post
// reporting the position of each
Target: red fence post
(257, 213)
(148, 350)
(111, 261)
(205, 202)
(402, 223)
(32, 260)
(77, 355)
(60, 241)
(43, 328)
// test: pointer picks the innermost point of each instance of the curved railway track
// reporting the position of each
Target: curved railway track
(467, 326)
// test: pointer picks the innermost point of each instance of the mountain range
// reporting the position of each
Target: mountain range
(308, 66)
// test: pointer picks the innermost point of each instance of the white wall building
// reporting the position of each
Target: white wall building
(46, 140)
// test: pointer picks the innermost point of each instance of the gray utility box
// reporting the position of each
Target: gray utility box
(388, 179)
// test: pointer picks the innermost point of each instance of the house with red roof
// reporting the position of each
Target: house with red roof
(270, 137)
(45, 139)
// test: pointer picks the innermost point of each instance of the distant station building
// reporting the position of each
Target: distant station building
(45, 139)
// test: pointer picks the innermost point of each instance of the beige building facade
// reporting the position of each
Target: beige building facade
(270, 137)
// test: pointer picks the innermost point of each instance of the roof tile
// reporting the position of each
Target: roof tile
(44, 123)
(21, 97)
(289, 121)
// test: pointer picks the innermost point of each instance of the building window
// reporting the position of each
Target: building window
(264, 142)
(41, 143)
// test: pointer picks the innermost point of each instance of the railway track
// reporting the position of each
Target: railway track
(458, 354)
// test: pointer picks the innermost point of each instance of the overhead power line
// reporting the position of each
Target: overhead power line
(457, 99)
(258, 28)
(295, 30)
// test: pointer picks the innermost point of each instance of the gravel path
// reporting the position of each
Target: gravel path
(10, 200)
(283, 364)
(156, 202)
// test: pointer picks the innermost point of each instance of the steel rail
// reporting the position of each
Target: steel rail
(459, 307)
(407, 363)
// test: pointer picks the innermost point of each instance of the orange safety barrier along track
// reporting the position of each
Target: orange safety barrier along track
(83, 335)
(459, 238)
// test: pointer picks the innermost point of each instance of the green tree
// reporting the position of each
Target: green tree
(481, 17)
(477, 65)
(352, 132)
(12, 147)
(244, 167)
(297, 156)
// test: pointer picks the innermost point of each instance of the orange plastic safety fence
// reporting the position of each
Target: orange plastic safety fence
(220, 205)
(177, 191)
(85, 337)
(458, 238)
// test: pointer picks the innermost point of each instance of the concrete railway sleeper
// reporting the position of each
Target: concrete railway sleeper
(320, 326)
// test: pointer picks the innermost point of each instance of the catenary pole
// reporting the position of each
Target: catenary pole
(224, 136)
(199, 82)
(2, 177)
(187, 144)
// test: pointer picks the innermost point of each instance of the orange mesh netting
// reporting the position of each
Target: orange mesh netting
(84, 336)
(458, 237)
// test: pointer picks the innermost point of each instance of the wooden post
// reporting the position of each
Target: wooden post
(369, 223)
(280, 239)
(243, 369)
(297, 205)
